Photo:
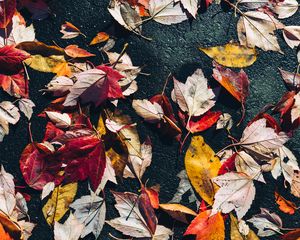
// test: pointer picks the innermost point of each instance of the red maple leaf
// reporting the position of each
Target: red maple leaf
(15, 85)
(11, 59)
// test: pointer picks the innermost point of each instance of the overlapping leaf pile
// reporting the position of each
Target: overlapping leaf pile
(73, 149)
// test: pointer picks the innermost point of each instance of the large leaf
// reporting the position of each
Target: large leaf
(201, 166)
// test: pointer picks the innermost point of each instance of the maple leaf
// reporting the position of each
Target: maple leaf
(207, 227)
(84, 156)
(236, 192)
(11, 59)
(90, 211)
(131, 221)
(70, 230)
(267, 223)
(26, 106)
(7, 10)
(257, 29)
(15, 84)
(9, 113)
(95, 85)
(193, 96)
(261, 139)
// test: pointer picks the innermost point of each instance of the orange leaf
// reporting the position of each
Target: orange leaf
(153, 196)
(207, 227)
(75, 52)
(62, 69)
(285, 205)
(9, 230)
(100, 37)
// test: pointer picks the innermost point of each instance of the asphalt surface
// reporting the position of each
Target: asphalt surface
(172, 50)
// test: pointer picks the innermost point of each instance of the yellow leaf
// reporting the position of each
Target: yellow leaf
(235, 233)
(232, 55)
(58, 204)
(45, 64)
(101, 126)
(201, 166)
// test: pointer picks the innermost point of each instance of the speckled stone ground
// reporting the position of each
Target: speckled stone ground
(173, 49)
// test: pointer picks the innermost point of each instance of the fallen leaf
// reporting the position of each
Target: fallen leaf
(193, 96)
(7, 10)
(58, 204)
(191, 6)
(291, 35)
(236, 192)
(285, 205)
(267, 223)
(166, 12)
(257, 29)
(15, 85)
(292, 235)
(291, 79)
(205, 122)
(232, 55)
(100, 37)
(225, 121)
(285, 8)
(11, 59)
(207, 227)
(131, 221)
(151, 112)
(26, 106)
(178, 211)
(201, 166)
(69, 31)
(59, 86)
(235, 233)
(70, 230)
(74, 51)
(47, 189)
(61, 120)
(95, 85)
(9, 113)
(90, 210)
